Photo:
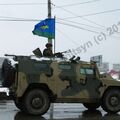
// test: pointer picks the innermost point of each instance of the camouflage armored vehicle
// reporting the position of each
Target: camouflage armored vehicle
(36, 82)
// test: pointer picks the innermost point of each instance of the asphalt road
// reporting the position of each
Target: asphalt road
(8, 111)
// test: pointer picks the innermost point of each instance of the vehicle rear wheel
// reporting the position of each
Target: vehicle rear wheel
(8, 73)
(111, 101)
(91, 106)
(37, 102)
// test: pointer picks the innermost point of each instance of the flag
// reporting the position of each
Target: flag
(45, 28)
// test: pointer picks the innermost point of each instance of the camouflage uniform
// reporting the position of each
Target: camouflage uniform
(48, 51)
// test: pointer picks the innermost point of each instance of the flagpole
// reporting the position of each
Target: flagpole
(50, 40)
(55, 38)
(49, 15)
(54, 45)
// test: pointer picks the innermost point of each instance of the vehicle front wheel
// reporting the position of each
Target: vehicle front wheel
(91, 106)
(111, 101)
(37, 102)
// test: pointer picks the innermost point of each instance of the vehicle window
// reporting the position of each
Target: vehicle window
(87, 71)
(82, 71)
(41, 66)
(65, 67)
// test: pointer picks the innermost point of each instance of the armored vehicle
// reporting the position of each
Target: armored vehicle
(36, 82)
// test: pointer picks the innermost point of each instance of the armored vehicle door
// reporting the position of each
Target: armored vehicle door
(83, 84)
(88, 81)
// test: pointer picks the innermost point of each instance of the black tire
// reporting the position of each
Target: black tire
(19, 104)
(111, 101)
(37, 102)
(91, 106)
(8, 73)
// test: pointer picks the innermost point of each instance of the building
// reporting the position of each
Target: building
(104, 67)
(116, 67)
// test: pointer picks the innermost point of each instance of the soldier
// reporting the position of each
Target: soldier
(48, 50)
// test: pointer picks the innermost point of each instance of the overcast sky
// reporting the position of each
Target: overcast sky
(92, 34)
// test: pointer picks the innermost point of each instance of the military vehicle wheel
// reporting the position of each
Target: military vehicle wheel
(111, 101)
(19, 104)
(37, 102)
(91, 106)
(8, 73)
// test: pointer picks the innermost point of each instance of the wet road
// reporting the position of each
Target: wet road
(8, 111)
